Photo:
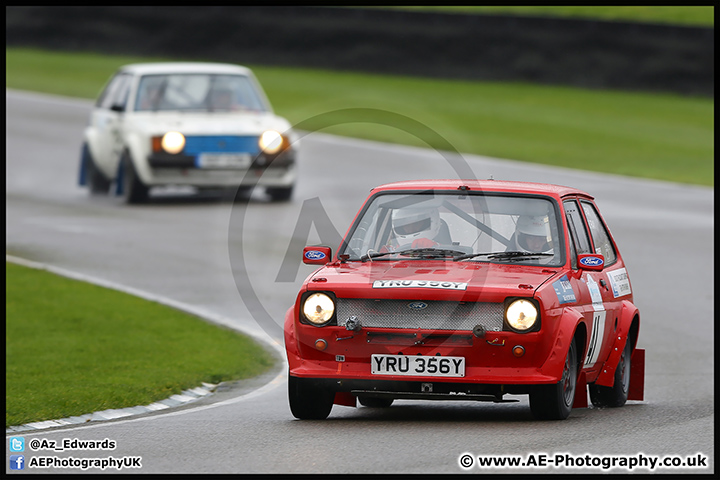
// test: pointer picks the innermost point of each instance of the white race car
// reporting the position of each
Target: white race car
(208, 125)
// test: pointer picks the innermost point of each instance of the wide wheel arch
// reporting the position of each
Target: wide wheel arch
(628, 330)
(571, 326)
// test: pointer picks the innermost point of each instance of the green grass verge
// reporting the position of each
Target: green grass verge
(701, 16)
(659, 136)
(74, 348)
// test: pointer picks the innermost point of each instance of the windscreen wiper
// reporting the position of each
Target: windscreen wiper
(416, 252)
(503, 255)
(370, 256)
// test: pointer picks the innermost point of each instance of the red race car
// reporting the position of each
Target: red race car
(467, 290)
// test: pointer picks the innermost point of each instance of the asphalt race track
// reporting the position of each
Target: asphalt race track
(192, 249)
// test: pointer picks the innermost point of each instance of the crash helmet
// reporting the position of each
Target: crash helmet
(221, 98)
(532, 234)
(409, 224)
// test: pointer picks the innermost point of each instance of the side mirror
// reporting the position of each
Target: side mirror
(591, 261)
(317, 255)
(118, 108)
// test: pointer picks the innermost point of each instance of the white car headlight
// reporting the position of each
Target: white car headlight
(173, 142)
(521, 315)
(271, 142)
(318, 308)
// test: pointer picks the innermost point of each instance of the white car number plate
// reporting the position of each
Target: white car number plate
(224, 160)
(428, 366)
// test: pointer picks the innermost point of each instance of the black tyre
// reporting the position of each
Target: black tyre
(134, 190)
(617, 395)
(240, 193)
(375, 402)
(98, 183)
(279, 194)
(308, 402)
(554, 402)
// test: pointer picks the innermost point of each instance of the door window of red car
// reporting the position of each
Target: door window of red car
(600, 236)
(576, 226)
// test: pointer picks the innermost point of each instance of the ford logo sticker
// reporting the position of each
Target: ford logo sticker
(417, 305)
(591, 261)
(314, 255)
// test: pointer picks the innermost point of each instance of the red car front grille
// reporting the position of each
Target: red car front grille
(414, 314)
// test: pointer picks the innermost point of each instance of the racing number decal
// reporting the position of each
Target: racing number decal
(598, 323)
(598, 329)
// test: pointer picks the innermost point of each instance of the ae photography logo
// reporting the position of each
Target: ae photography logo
(246, 258)
(603, 463)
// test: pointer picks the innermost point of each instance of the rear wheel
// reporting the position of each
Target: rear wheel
(309, 402)
(554, 402)
(617, 395)
(134, 190)
(375, 402)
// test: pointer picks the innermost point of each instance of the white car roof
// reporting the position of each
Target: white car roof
(184, 67)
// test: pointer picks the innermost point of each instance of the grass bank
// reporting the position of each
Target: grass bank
(74, 348)
(694, 16)
(661, 136)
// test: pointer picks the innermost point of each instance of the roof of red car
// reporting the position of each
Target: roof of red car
(484, 185)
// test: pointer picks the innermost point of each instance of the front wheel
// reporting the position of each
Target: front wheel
(279, 194)
(554, 402)
(133, 188)
(617, 395)
(309, 402)
(97, 182)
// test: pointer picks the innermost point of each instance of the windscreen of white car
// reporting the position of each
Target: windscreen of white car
(198, 92)
(507, 228)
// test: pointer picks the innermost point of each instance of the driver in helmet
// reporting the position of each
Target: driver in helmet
(532, 234)
(221, 99)
(416, 227)
(150, 96)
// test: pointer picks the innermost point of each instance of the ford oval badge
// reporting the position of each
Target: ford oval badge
(417, 305)
(591, 261)
(314, 255)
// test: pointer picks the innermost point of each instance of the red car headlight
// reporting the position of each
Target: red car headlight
(318, 309)
(521, 315)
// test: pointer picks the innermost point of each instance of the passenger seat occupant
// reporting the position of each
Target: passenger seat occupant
(532, 234)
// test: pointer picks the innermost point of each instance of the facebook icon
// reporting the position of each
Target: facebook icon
(17, 462)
